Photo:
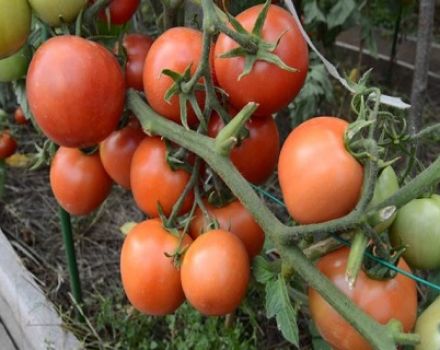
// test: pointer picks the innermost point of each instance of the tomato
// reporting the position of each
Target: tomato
(121, 11)
(116, 152)
(428, 327)
(78, 181)
(136, 46)
(215, 273)
(8, 145)
(234, 218)
(153, 182)
(268, 85)
(417, 227)
(15, 66)
(149, 277)
(319, 179)
(76, 91)
(176, 49)
(383, 300)
(15, 25)
(19, 116)
(57, 12)
(263, 140)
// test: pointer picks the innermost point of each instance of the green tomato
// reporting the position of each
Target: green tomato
(15, 67)
(56, 12)
(15, 25)
(428, 327)
(417, 226)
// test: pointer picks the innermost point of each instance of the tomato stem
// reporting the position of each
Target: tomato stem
(355, 258)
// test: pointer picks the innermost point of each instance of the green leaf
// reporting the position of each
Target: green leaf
(262, 270)
(312, 13)
(340, 13)
(20, 93)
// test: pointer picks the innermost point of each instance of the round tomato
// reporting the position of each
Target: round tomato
(116, 152)
(149, 277)
(417, 226)
(8, 145)
(428, 327)
(177, 49)
(234, 218)
(76, 91)
(267, 84)
(57, 12)
(383, 300)
(15, 25)
(136, 46)
(215, 273)
(19, 116)
(78, 181)
(121, 11)
(15, 66)
(153, 182)
(263, 140)
(319, 179)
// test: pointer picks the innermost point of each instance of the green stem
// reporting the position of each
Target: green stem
(432, 129)
(394, 45)
(355, 258)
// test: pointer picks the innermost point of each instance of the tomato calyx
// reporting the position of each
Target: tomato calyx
(44, 155)
(90, 150)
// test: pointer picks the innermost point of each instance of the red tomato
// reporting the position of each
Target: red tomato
(8, 145)
(215, 273)
(319, 179)
(268, 85)
(176, 49)
(234, 218)
(76, 91)
(19, 116)
(383, 300)
(121, 11)
(78, 181)
(150, 279)
(153, 182)
(256, 157)
(136, 46)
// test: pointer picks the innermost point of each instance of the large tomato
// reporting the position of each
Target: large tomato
(57, 12)
(153, 182)
(15, 25)
(383, 300)
(76, 91)
(234, 218)
(215, 273)
(8, 145)
(428, 327)
(417, 226)
(263, 140)
(176, 49)
(78, 181)
(319, 179)
(267, 84)
(15, 66)
(150, 279)
(121, 11)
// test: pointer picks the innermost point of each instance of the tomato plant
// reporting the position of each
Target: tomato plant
(215, 273)
(121, 11)
(428, 327)
(383, 300)
(15, 66)
(78, 181)
(63, 100)
(57, 12)
(8, 145)
(19, 116)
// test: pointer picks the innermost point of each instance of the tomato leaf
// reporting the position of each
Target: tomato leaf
(340, 13)
(20, 93)
(262, 270)
(313, 13)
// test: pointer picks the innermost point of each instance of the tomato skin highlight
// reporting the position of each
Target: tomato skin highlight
(76, 91)
(428, 327)
(280, 86)
(215, 273)
(78, 181)
(8, 145)
(319, 179)
(382, 300)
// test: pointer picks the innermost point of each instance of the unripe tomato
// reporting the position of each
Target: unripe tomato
(428, 327)
(76, 91)
(383, 300)
(215, 273)
(78, 181)
(121, 11)
(8, 145)
(19, 116)
(136, 46)
(57, 12)
(319, 179)
(150, 279)
(15, 66)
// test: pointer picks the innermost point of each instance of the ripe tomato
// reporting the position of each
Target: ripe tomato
(121, 11)
(57, 12)
(383, 300)
(263, 141)
(234, 218)
(428, 327)
(215, 273)
(15, 25)
(76, 91)
(153, 182)
(268, 85)
(417, 227)
(15, 66)
(8, 145)
(176, 49)
(116, 152)
(150, 279)
(136, 46)
(78, 181)
(19, 116)
(319, 179)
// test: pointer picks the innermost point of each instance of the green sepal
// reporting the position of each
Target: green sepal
(259, 23)
(236, 24)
